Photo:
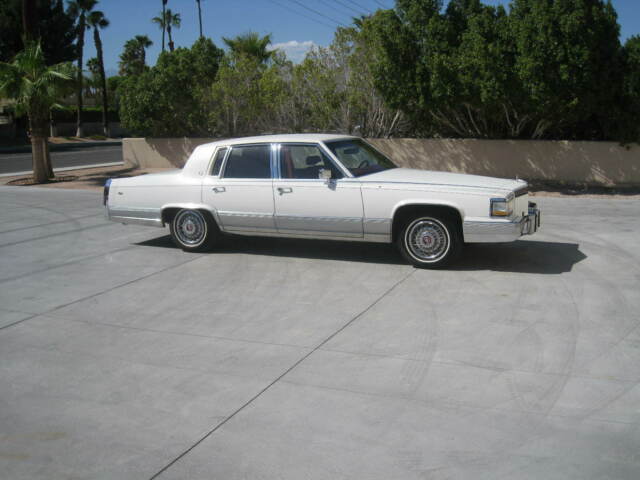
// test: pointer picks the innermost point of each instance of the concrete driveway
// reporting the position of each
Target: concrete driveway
(122, 357)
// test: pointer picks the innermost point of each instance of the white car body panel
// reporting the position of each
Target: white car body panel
(316, 207)
(354, 208)
(243, 205)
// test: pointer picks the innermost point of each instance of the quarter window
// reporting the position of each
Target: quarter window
(217, 162)
(249, 162)
(305, 162)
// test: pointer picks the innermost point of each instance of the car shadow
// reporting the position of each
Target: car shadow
(521, 256)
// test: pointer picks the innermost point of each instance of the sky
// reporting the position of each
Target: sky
(294, 25)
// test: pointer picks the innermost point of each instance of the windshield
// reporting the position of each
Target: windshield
(359, 157)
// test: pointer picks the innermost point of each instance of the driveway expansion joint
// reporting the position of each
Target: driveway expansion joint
(282, 375)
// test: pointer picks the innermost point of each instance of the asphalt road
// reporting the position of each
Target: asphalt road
(124, 357)
(19, 163)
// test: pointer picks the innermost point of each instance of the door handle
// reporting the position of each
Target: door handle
(282, 190)
(219, 189)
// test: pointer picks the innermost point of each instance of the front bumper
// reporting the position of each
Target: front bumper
(531, 222)
(502, 231)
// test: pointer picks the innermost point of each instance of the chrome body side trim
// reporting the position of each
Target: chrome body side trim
(379, 227)
(345, 227)
(137, 216)
(245, 221)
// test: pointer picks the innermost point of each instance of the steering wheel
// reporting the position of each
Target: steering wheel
(364, 163)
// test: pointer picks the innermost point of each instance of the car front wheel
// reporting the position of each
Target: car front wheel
(193, 230)
(429, 241)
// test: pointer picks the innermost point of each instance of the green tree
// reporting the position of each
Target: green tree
(545, 69)
(92, 83)
(50, 20)
(171, 98)
(629, 120)
(251, 45)
(36, 88)
(79, 9)
(97, 21)
(133, 58)
(568, 63)
(167, 21)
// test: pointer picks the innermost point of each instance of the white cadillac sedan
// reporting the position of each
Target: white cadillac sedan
(322, 186)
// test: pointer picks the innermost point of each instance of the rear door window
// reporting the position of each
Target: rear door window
(251, 161)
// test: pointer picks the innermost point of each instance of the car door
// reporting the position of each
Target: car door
(306, 204)
(239, 187)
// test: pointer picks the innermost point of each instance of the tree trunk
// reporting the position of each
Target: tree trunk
(42, 171)
(29, 20)
(164, 19)
(170, 39)
(81, 28)
(40, 174)
(103, 80)
(47, 158)
(200, 17)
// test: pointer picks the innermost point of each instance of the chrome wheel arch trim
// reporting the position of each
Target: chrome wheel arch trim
(427, 203)
(190, 206)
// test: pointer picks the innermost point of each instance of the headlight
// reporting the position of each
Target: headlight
(502, 207)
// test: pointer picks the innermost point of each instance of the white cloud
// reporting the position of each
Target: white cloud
(294, 49)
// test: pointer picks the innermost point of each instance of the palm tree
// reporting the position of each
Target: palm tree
(142, 43)
(168, 20)
(79, 9)
(199, 16)
(36, 88)
(97, 20)
(134, 57)
(164, 6)
(251, 45)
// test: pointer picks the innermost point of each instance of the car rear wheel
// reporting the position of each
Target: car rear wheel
(193, 230)
(429, 241)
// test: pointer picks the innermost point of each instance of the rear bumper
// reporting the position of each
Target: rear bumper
(502, 231)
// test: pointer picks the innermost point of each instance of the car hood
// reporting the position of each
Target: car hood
(410, 175)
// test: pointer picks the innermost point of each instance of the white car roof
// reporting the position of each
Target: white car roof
(202, 154)
(289, 137)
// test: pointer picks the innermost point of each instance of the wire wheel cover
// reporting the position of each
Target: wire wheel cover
(427, 240)
(190, 227)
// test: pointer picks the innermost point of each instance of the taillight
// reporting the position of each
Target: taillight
(105, 196)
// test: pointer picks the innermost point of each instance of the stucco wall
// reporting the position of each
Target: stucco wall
(159, 152)
(594, 163)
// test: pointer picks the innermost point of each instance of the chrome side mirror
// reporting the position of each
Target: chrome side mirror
(324, 174)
